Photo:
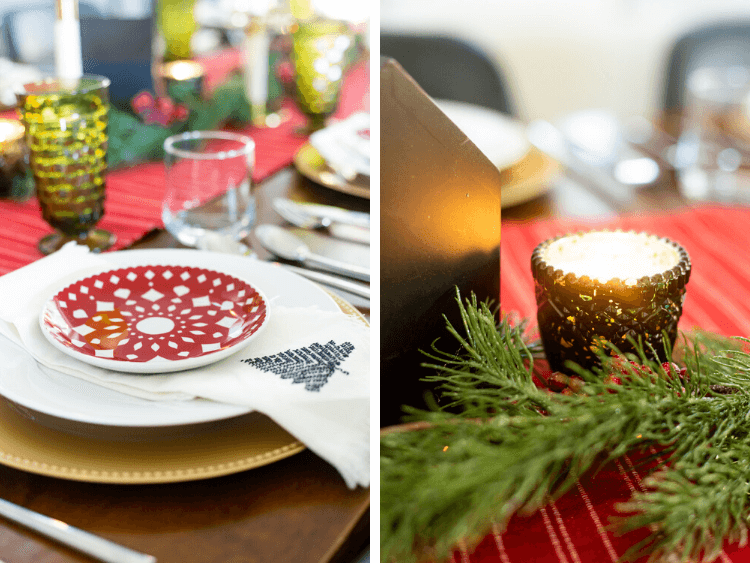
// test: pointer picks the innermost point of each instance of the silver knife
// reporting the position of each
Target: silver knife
(289, 246)
(332, 281)
(96, 547)
(349, 233)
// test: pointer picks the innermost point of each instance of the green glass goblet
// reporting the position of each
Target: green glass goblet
(66, 133)
(319, 49)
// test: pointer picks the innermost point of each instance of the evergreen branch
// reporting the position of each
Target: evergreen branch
(489, 453)
(692, 508)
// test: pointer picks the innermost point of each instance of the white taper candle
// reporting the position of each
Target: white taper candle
(68, 58)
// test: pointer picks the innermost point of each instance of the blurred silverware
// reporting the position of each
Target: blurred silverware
(332, 281)
(225, 243)
(96, 547)
(341, 223)
(325, 215)
(612, 175)
(286, 245)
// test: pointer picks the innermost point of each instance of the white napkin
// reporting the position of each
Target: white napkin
(345, 145)
(329, 414)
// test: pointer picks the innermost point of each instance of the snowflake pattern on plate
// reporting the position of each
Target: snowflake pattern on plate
(163, 315)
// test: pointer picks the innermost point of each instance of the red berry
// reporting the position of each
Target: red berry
(142, 102)
(180, 113)
(613, 379)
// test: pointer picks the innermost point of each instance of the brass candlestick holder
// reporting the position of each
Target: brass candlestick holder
(604, 287)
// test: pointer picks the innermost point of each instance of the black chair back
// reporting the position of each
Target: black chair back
(719, 44)
(450, 68)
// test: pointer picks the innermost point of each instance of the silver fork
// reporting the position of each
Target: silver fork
(291, 214)
(297, 216)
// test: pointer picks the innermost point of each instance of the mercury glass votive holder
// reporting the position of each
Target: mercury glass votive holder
(600, 287)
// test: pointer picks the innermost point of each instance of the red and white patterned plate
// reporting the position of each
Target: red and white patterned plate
(153, 318)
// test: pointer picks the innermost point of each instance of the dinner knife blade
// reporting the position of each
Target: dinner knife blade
(95, 546)
(354, 288)
(350, 232)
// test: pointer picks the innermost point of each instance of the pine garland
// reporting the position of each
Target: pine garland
(131, 141)
(500, 445)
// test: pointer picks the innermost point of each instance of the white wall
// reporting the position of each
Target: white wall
(565, 55)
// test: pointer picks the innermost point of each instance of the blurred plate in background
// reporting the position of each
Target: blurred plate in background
(501, 138)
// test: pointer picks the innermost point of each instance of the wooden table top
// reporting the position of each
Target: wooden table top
(297, 509)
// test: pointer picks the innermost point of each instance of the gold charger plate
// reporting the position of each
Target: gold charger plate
(163, 455)
(312, 165)
(527, 179)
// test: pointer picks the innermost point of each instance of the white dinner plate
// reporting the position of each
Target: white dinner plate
(67, 397)
(501, 138)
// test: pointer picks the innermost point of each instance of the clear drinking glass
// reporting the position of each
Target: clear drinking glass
(712, 156)
(66, 133)
(209, 185)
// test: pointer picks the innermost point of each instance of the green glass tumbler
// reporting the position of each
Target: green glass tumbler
(319, 49)
(66, 133)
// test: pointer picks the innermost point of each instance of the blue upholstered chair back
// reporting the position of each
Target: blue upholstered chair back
(121, 50)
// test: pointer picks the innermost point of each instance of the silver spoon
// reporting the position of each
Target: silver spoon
(286, 245)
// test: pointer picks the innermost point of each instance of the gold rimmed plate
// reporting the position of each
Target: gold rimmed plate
(57, 447)
(313, 166)
(184, 454)
(527, 179)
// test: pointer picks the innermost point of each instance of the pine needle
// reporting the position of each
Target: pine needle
(499, 445)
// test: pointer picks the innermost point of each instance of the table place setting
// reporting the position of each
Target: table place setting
(218, 383)
(306, 365)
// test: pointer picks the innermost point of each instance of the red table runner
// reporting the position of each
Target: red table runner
(573, 529)
(134, 195)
